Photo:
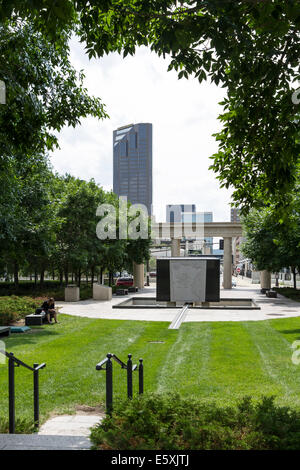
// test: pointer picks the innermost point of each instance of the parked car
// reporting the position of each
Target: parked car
(152, 274)
(124, 281)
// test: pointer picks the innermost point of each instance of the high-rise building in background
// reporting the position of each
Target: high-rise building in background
(174, 213)
(187, 213)
(132, 154)
(235, 215)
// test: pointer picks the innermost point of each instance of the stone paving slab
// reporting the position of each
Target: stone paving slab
(279, 307)
(38, 442)
(69, 425)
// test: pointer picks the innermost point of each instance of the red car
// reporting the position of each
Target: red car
(124, 281)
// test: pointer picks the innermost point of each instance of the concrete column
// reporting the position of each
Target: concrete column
(138, 275)
(227, 264)
(265, 279)
(175, 246)
(72, 293)
(255, 277)
(186, 253)
(206, 249)
(101, 292)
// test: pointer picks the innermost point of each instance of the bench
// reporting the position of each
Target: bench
(34, 319)
(122, 292)
(4, 330)
(133, 289)
(271, 294)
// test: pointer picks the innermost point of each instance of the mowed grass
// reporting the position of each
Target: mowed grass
(220, 361)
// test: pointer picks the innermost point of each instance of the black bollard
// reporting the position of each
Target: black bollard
(141, 377)
(11, 393)
(129, 376)
(109, 385)
(36, 398)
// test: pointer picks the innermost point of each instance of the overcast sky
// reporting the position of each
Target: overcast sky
(184, 117)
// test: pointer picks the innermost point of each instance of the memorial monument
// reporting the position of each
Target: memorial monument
(193, 280)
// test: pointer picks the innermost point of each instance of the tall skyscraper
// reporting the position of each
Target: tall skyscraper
(235, 215)
(132, 153)
(174, 213)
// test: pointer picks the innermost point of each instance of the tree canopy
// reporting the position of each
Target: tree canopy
(251, 47)
(272, 243)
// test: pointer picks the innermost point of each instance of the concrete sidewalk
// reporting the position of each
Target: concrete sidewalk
(37, 442)
(280, 307)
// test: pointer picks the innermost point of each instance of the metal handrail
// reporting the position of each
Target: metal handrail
(109, 378)
(12, 363)
(21, 363)
(115, 358)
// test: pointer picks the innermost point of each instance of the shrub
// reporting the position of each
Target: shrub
(289, 292)
(48, 289)
(13, 308)
(27, 287)
(158, 422)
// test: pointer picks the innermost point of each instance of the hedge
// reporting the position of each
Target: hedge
(157, 422)
(13, 308)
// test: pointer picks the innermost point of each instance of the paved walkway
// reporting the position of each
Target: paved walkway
(37, 442)
(69, 425)
(64, 432)
(280, 307)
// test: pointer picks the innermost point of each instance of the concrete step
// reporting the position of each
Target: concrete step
(42, 442)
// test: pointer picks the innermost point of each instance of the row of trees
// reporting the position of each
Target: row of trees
(55, 231)
(48, 222)
(250, 47)
(273, 242)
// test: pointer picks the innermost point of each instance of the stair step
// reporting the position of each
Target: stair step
(41, 442)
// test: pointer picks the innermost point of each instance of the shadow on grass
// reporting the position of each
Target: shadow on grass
(290, 332)
(30, 337)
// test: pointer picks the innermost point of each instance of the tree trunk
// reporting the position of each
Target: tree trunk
(92, 275)
(53, 275)
(42, 277)
(61, 277)
(66, 276)
(79, 277)
(35, 277)
(101, 276)
(16, 274)
(294, 277)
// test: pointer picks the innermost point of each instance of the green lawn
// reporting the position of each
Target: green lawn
(221, 361)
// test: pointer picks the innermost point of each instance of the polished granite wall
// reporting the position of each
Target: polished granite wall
(188, 279)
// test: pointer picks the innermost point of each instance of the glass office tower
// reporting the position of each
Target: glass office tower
(132, 153)
(174, 212)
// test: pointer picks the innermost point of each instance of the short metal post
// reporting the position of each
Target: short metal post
(141, 377)
(109, 385)
(36, 396)
(129, 376)
(11, 393)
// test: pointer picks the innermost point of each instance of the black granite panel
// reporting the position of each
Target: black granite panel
(212, 293)
(163, 280)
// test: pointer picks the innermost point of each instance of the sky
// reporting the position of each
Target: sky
(184, 117)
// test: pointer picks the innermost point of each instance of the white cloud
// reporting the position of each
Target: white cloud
(184, 117)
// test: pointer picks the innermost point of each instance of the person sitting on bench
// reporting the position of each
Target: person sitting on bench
(49, 309)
